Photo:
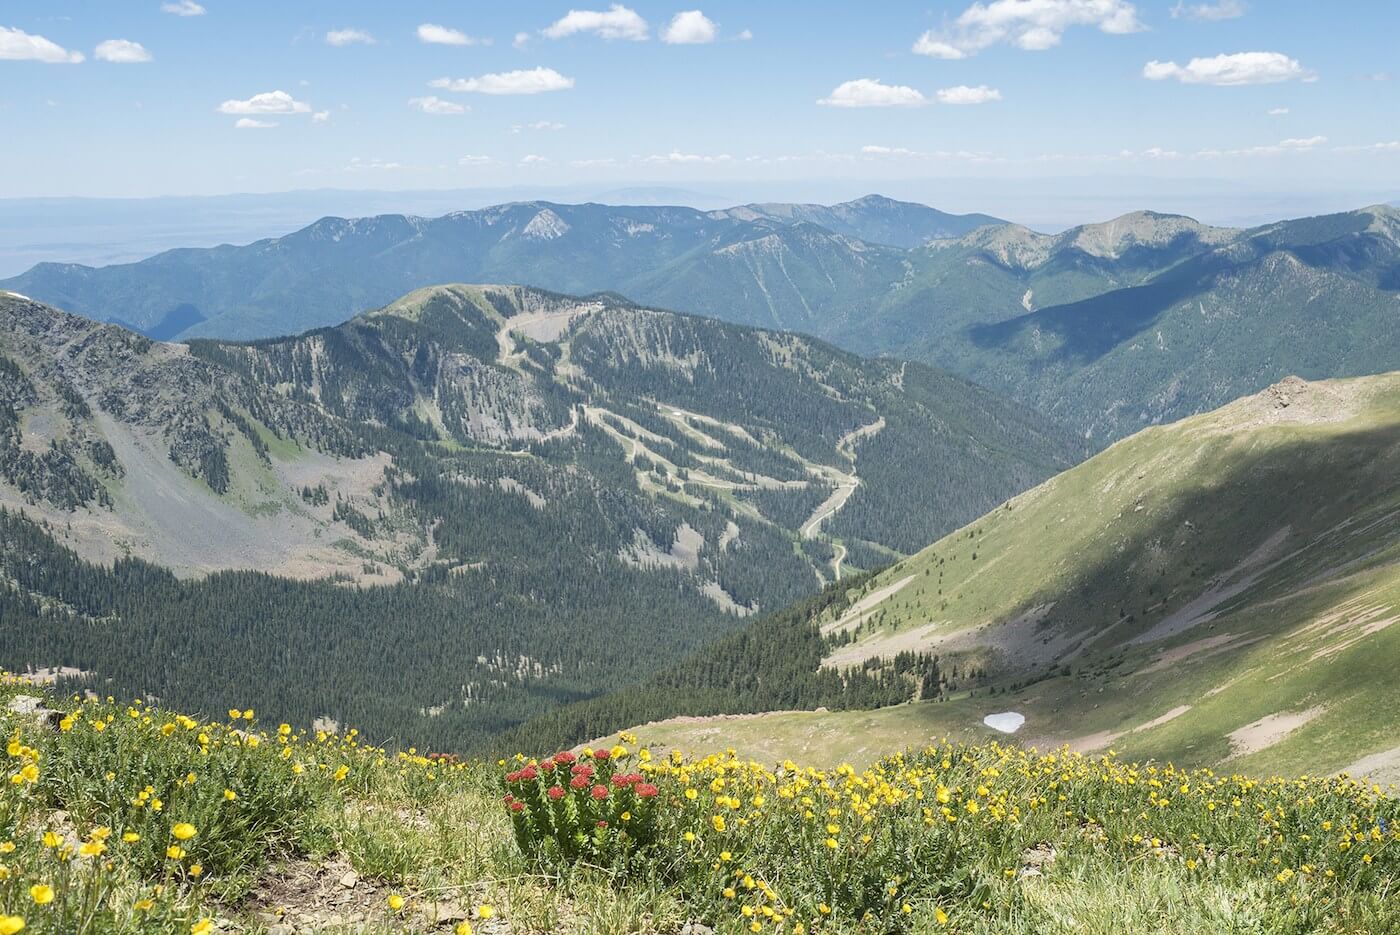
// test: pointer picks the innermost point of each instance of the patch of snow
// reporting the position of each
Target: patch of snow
(1008, 722)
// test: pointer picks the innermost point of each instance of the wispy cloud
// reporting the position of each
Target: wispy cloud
(436, 106)
(1221, 9)
(537, 125)
(523, 81)
(121, 52)
(433, 34)
(1278, 112)
(870, 92)
(617, 22)
(678, 158)
(16, 45)
(183, 8)
(1292, 145)
(1241, 68)
(343, 37)
(1027, 24)
(249, 123)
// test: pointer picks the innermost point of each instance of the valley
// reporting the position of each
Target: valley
(495, 458)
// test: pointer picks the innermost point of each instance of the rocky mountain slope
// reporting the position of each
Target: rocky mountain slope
(480, 463)
(1222, 591)
(1105, 327)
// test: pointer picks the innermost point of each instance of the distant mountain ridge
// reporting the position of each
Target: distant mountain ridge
(1106, 327)
(329, 270)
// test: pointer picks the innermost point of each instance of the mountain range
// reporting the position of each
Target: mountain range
(463, 507)
(1105, 327)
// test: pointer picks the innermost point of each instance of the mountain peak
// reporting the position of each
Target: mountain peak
(1109, 239)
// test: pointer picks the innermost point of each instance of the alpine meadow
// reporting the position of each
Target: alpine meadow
(631, 470)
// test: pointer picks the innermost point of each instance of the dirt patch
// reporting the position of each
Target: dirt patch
(855, 615)
(1269, 730)
(511, 485)
(1171, 715)
(1229, 585)
(1383, 767)
(1346, 625)
(1090, 743)
(684, 553)
(1208, 646)
(309, 897)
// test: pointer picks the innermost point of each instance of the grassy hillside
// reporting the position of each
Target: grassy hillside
(1219, 591)
(123, 817)
(386, 521)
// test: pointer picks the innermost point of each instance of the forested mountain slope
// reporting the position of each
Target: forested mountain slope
(461, 509)
(1223, 591)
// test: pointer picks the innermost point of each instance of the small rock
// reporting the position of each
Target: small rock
(349, 879)
(34, 709)
(281, 928)
(696, 928)
(442, 912)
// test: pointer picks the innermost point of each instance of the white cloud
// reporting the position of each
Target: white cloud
(357, 164)
(524, 81)
(321, 116)
(1391, 147)
(121, 52)
(521, 40)
(1027, 24)
(471, 160)
(1230, 70)
(744, 35)
(617, 22)
(962, 94)
(1278, 112)
(434, 34)
(868, 92)
(533, 160)
(436, 106)
(183, 8)
(902, 152)
(690, 27)
(678, 158)
(269, 102)
(342, 37)
(1221, 9)
(248, 123)
(16, 45)
(537, 125)
(1293, 145)
(593, 163)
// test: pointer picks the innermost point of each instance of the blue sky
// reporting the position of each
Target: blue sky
(178, 97)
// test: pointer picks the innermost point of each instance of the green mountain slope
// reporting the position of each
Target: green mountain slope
(1221, 591)
(386, 522)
